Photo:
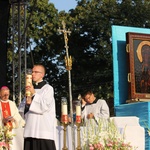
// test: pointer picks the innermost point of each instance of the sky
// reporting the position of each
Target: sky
(64, 4)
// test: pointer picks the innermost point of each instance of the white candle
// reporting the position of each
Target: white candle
(64, 109)
(78, 110)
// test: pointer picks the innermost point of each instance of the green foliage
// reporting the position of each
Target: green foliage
(90, 43)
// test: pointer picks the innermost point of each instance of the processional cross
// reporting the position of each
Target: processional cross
(68, 62)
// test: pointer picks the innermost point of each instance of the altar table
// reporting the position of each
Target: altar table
(129, 126)
(134, 133)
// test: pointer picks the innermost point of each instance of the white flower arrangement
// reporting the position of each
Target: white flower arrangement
(104, 136)
(6, 137)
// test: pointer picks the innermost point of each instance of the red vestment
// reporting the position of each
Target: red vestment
(6, 112)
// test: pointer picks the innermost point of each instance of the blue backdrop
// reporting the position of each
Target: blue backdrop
(139, 109)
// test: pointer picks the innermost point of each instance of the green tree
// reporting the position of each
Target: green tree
(90, 42)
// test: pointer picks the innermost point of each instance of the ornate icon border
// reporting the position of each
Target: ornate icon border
(138, 50)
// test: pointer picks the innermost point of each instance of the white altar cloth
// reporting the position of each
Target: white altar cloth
(17, 143)
(130, 127)
(133, 132)
(60, 137)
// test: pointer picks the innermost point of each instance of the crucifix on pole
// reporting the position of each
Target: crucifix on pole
(68, 63)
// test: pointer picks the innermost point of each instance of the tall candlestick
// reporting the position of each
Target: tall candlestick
(78, 123)
(64, 119)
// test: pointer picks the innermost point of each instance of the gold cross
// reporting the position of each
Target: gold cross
(65, 32)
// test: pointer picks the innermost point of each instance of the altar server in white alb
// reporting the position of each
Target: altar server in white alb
(40, 113)
(9, 112)
(95, 109)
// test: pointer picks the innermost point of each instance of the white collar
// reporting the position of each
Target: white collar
(38, 82)
(4, 101)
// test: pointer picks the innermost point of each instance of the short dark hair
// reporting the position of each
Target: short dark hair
(85, 92)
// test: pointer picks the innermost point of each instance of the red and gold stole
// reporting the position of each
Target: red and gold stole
(6, 112)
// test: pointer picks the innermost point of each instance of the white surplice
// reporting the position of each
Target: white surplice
(40, 119)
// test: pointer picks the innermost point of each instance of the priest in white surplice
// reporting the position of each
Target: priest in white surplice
(39, 132)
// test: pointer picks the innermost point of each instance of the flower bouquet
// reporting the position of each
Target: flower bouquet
(104, 136)
(6, 138)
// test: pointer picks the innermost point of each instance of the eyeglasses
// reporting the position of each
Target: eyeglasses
(36, 72)
(5, 95)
